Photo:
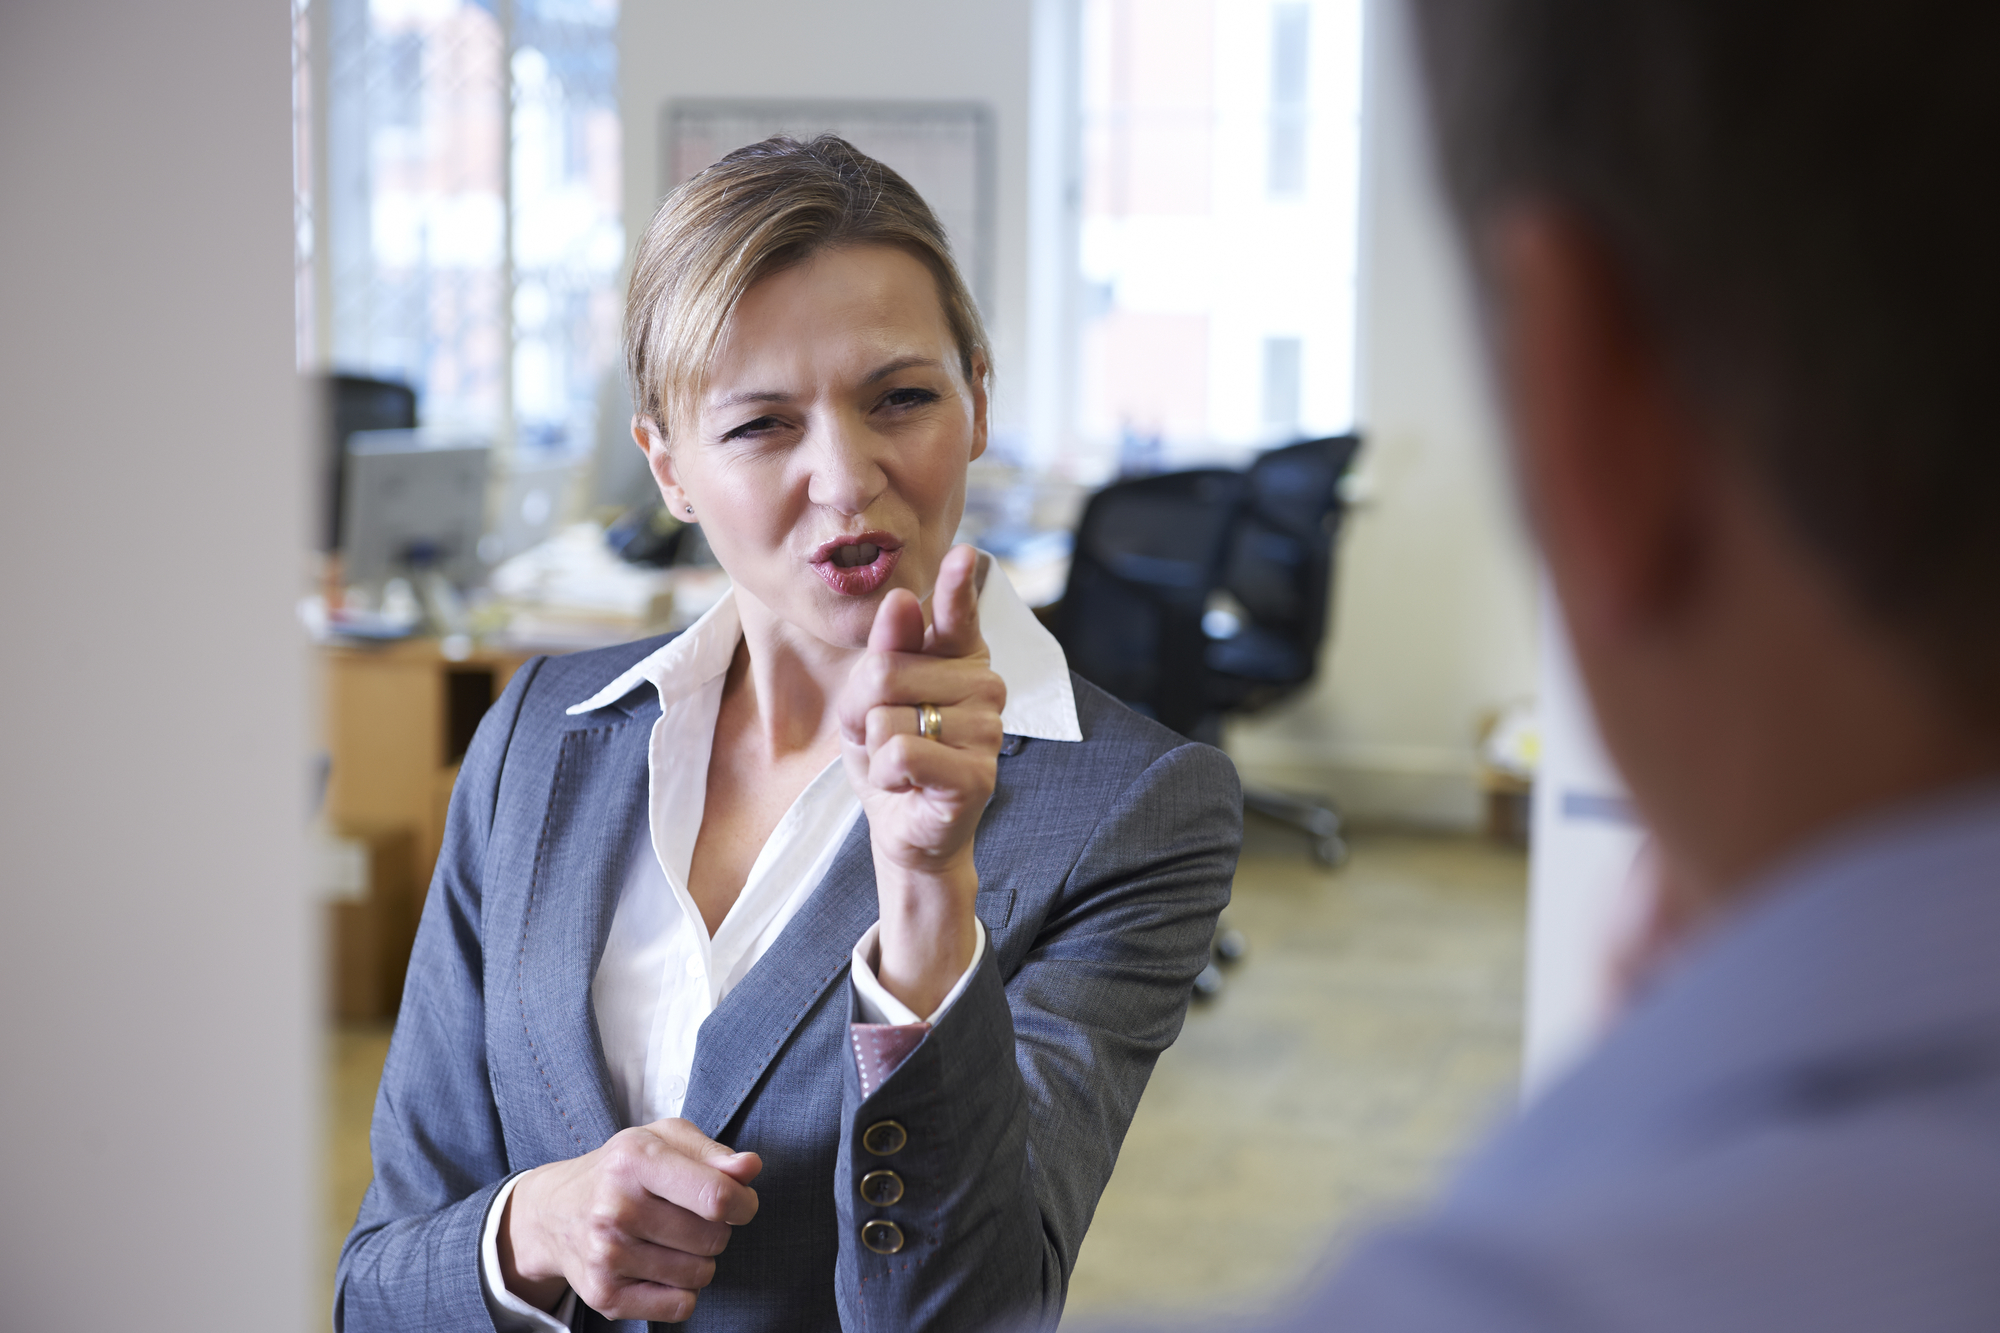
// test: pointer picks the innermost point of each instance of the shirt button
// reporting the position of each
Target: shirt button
(884, 1138)
(677, 1088)
(881, 1236)
(695, 968)
(881, 1188)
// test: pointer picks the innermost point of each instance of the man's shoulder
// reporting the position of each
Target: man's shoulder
(1797, 1127)
(1882, 1218)
(1855, 1189)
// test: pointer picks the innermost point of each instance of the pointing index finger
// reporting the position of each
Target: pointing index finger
(955, 606)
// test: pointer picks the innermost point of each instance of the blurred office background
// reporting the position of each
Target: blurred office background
(1199, 228)
(321, 431)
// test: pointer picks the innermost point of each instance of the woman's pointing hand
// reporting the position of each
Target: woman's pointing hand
(924, 794)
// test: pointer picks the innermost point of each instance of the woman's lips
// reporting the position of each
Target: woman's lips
(858, 565)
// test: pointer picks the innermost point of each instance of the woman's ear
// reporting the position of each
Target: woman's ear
(660, 459)
(978, 388)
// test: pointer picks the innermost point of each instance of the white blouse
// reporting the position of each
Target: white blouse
(662, 974)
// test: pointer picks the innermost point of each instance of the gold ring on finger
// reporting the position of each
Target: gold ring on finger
(930, 722)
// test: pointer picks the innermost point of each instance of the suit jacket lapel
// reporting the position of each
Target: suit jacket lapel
(751, 1025)
(597, 810)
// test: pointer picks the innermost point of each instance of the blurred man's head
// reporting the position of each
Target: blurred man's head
(1743, 261)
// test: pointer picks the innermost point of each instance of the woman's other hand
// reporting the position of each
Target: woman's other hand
(632, 1228)
(924, 796)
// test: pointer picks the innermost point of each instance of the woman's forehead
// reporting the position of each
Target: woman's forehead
(847, 286)
(846, 312)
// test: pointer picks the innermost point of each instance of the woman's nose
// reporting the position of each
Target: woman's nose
(847, 476)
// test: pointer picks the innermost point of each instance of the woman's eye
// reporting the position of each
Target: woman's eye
(908, 397)
(748, 428)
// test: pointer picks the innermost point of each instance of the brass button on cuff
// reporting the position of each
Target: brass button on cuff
(884, 1137)
(882, 1237)
(881, 1188)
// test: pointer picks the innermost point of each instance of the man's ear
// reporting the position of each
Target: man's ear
(1614, 472)
(979, 403)
(652, 442)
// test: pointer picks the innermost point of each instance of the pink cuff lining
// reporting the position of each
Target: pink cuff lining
(881, 1048)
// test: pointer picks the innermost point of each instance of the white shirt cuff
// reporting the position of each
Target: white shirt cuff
(510, 1313)
(878, 1005)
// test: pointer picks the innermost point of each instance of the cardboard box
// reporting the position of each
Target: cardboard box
(369, 933)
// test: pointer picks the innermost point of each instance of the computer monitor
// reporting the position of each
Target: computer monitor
(349, 403)
(413, 499)
(529, 503)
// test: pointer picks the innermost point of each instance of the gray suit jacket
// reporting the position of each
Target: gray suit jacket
(1102, 867)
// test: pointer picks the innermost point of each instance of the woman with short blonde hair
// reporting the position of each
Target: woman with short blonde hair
(763, 208)
(802, 970)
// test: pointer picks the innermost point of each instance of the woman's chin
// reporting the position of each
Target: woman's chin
(832, 611)
(843, 622)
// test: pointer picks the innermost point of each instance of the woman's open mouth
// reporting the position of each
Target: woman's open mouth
(856, 566)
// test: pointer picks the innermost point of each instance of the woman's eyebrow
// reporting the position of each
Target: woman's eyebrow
(748, 396)
(889, 368)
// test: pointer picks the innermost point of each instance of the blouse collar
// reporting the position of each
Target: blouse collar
(1041, 704)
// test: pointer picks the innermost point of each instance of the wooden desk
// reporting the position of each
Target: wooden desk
(396, 721)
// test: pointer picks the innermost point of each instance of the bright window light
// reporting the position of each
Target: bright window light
(472, 213)
(1221, 166)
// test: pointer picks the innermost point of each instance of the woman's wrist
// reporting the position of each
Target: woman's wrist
(518, 1250)
(927, 937)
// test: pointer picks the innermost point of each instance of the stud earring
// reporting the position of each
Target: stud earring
(690, 509)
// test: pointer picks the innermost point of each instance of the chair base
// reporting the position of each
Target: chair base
(1317, 820)
(1227, 950)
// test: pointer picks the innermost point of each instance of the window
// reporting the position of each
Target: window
(943, 149)
(305, 160)
(1290, 45)
(1220, 173)
(468, 208)
(1281, 385)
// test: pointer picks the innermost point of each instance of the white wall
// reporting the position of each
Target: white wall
(1585, 898)
(1434, 615)
(900, 50)
(155, 1063)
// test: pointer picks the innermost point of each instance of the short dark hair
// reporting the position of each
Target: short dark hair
(1799, 196)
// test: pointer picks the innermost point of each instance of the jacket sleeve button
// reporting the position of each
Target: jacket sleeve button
(881, 1236)
(884, 1137)
(881, 1188)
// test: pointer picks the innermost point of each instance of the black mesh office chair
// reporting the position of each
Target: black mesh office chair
(1196, 594)
(1273, 595)
(1148, 553)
